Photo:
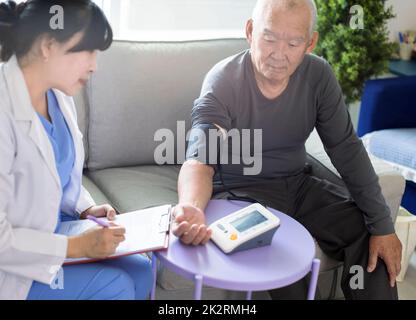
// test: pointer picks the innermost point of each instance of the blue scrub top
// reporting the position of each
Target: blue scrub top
(61, 141)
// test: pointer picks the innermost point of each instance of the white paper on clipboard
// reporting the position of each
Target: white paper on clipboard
(146, 230)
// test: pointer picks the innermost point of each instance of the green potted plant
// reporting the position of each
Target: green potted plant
(355, 52)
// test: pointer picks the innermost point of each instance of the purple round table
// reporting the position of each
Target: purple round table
(290, 257)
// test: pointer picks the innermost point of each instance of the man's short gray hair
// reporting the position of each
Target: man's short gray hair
(289, 4)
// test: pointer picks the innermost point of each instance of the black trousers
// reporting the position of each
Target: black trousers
(334, 220)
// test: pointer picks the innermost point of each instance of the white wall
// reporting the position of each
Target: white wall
(179, 19)
(405, 11)
(196, 19)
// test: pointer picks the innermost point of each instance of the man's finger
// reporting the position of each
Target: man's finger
(181, 228)
(175, 211)
(391, 269)
(372, 261)
(188, 237)
(399, 263)
(398, 268)
(202, 232)
(207, 236)
(392, 273)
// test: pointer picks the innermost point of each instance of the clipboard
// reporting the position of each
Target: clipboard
(146, 230)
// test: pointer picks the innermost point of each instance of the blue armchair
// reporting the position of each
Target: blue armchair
(391, 104)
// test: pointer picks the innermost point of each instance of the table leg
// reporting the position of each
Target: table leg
(249, 295)
(154, 271)
(314, 279)
(198, 287)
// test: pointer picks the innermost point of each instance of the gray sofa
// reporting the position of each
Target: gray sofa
(142, 87)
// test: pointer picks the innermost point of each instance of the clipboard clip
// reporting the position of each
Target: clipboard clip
(164, 221)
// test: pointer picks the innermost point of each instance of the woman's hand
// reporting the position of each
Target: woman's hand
(97, 242)
(104, 210)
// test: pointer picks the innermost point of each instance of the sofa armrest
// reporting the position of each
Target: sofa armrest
(391, 182)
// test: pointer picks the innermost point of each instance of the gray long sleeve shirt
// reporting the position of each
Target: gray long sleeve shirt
(231, 99)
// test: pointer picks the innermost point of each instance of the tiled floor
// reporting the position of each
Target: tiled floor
(407, 288)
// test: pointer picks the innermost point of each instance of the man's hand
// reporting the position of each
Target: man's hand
(389, 249)
(104, 210)
(189, 225)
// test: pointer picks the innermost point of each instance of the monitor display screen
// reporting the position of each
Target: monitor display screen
(249, 220)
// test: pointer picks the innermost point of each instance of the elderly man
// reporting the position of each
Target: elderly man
(278, 86)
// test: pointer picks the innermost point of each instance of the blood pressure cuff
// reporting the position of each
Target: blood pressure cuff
(204, 144)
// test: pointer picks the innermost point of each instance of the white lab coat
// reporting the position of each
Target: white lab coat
(30, 188)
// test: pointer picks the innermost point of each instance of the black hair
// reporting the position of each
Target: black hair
(22, 24)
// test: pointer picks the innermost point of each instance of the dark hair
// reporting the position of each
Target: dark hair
(21, 25)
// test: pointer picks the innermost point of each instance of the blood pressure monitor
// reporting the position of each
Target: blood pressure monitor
(250, 227)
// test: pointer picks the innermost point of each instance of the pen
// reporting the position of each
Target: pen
(98, 221)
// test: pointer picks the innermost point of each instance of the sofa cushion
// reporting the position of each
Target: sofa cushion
(140, 88)
(135, 188)
(98, 196)
(397, 146)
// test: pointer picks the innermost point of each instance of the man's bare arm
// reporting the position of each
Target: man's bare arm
(195, 184)
(195, 190)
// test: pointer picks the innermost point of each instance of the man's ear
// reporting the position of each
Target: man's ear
(249, 31)
(313, 43)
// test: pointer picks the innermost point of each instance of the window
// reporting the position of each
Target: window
(176, 20)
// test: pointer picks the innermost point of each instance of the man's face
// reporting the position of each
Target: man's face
(279, 41)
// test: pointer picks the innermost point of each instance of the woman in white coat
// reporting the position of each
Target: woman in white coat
(41, 159)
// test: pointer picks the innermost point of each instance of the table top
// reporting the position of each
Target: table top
(403, 68)
(285, 261)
